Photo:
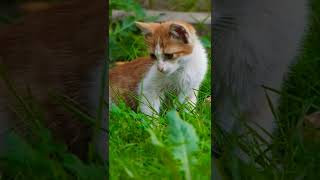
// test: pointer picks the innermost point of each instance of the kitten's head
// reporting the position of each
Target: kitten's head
(168, 42)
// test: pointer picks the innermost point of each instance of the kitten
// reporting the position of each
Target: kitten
(177, 63)
(254, 43)
(60, 49)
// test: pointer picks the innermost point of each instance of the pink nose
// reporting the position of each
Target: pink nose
(160, 68)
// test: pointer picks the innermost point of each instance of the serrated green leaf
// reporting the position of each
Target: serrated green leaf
(184, 139)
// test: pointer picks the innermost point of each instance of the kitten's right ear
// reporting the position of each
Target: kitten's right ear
(179, 32)
(146, 28)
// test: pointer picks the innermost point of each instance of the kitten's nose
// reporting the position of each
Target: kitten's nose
(160, 68)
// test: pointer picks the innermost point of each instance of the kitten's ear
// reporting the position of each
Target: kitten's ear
(146, 28)
(179, 32)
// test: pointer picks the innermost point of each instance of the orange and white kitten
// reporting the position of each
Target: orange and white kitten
(177, 63)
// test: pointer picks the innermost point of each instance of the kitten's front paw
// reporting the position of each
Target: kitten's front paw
(188, 102)
(149, 112)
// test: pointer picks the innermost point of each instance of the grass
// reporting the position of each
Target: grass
(134, 152)
(141, 147)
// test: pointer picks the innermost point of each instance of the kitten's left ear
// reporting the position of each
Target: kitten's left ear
(146, 28)
(179, 32)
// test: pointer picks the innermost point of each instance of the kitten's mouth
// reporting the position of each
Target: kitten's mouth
(164, 72)
(161, 70)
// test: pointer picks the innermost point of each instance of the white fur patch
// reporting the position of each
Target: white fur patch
(158, 51)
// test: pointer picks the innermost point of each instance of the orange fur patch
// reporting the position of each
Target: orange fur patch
(124, 79)
(160, 31)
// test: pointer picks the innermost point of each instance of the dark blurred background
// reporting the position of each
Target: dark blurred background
(12, 10)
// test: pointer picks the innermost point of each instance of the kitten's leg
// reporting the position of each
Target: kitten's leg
(233, 115)
(262, 123)
(189, 99)
(150, 102)
(192, 98)
(150, 93)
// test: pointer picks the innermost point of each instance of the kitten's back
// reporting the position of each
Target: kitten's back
(124, 79)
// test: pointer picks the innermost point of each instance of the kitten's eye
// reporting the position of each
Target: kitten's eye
(153, 56)
(168, 56)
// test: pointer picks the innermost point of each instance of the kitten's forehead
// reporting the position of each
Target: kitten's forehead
(158, 50)
(162, 30)
(160, 40)
(165, 26)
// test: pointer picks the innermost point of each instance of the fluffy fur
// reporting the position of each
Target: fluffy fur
(124, 80)
(179, 65)
(255, 42)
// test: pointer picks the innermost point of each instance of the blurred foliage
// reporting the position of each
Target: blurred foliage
(35, 154)
(125, 41)
(178, 5)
